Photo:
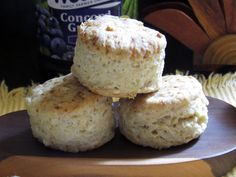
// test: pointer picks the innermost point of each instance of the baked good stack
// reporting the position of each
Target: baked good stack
(121, 58)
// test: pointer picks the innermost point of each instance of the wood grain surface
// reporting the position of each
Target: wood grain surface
(230, 15)
(178, 24)
(210, 15)
(221, 51)
(213, 154)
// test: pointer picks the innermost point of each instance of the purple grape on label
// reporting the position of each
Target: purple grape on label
(55, 32)
(44, 12)
(46, 40)
(42, 17)
(52, 22)
(42, 24)
(68, 56)
(58, 46)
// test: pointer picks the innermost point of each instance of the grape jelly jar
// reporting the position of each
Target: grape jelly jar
(57, 22)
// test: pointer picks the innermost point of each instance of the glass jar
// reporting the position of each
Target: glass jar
(57, 22)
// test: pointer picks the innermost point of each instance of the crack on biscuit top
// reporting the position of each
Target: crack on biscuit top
(111, 34)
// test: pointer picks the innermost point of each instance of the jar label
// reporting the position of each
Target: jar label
(58, 21)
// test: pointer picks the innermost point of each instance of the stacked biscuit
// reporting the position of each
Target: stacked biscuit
(121, 58)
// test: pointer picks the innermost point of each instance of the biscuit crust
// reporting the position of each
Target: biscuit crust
(119, 57)
(173, 115)
(65, 115)
(121, 37)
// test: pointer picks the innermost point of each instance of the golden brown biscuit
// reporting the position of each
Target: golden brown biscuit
(119, 57)
(173, 115)
(65, 115)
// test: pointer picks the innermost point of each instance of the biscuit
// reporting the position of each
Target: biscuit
(173, 115)
(118, 57)
(65, 115)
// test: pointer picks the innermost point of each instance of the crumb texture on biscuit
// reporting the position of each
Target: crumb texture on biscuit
(116, 35)
(117, 78)
(173, 115)
(118, 57)
(175, 90)
(61, 94)
(64, 115)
